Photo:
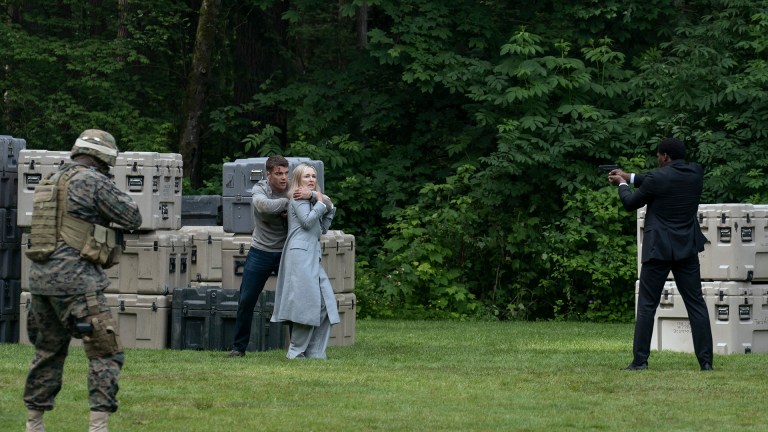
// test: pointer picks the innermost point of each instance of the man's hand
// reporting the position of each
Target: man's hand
(302, 193)
(617, 177)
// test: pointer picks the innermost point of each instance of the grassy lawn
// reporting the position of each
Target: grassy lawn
(418, 376)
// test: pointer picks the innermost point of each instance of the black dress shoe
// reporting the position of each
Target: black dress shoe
(641, 366)
(706, 367)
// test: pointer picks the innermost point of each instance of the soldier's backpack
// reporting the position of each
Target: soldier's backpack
(46, 218)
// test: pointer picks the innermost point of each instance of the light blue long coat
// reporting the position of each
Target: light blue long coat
(302, 281)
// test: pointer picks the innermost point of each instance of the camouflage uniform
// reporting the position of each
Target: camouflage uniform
(66, 289)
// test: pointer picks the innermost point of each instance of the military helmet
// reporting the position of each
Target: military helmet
(96, 143)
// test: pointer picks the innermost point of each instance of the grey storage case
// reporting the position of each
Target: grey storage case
(9, 153)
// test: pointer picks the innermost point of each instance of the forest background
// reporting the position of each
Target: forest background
(460, 138)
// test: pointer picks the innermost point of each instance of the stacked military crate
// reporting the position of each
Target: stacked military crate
(10, 239)
(338, 260)
(734, 273)
(155, 256)
(204, 314)
(178, 279)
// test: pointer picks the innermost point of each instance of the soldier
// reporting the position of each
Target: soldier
(67, 285)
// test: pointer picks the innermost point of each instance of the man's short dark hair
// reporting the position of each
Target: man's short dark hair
(672, 147)
(276, 160)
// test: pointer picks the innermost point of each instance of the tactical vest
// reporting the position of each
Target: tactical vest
(51, 224)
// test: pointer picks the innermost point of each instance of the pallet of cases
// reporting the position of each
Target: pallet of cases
(238, 179)
(10, 148)
(153, 180)
(338, 260)
(343, 333)
(201, 210)
(204, 319)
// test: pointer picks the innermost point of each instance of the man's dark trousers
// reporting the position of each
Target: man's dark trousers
(259, 266)
(653, 275)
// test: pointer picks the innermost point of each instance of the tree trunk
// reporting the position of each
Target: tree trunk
(122, 30)
(362, 25)
(259, 39)
(197, 83)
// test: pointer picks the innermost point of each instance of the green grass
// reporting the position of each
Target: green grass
(418, 376)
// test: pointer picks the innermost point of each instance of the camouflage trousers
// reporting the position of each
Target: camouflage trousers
(51, 325)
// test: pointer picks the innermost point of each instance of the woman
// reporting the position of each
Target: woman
(304, 295)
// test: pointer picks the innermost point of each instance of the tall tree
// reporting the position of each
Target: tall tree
(259, 47)
(194, 100)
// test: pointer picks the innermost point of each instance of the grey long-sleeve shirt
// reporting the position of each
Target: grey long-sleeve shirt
(271, 227)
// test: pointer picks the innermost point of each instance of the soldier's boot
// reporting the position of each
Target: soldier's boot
(99, 421)
(35, 421)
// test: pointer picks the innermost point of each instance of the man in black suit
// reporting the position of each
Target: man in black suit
(672, 240)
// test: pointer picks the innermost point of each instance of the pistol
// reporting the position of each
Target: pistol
(609, 168)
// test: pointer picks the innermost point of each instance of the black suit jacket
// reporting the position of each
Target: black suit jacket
(672, 194)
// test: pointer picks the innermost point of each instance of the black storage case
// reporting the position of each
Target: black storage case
(9, 328)
(10, 305)
(201, 210)
(10, 260)
(10, 296)
(204, 318)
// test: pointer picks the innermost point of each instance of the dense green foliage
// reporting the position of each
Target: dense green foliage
(460, 142)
